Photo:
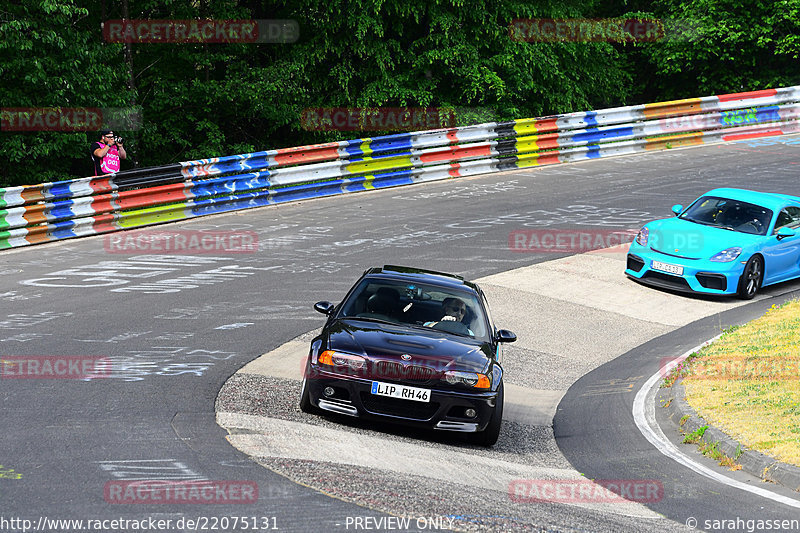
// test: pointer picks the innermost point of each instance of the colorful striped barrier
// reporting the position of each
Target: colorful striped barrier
(89, 206)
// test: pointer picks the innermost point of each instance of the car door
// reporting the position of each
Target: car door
(782, 257)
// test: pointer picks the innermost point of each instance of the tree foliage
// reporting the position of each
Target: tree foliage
(724, 46)
(203, 100)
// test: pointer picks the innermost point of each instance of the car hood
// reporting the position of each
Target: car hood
(388, 342)
(680, 237)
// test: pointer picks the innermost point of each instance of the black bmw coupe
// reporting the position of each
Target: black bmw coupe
(410, 346)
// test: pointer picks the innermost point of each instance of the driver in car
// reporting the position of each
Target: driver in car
(454, 310)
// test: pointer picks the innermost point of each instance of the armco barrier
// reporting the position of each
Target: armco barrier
(130, 199)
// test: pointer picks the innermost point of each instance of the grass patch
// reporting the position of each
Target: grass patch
(695, 436)
(711, 449)
(747, 383)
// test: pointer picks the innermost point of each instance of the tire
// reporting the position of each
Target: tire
(488, 437)
(751, 278)
(305, 398)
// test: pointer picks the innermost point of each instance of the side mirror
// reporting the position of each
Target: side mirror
(677, 208)
(503, 335)
(324, 307)
(785, 232)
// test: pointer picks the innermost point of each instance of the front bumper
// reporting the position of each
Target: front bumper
(445, 411)
(699, 276)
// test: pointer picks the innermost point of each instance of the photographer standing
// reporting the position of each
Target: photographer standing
(107, 153)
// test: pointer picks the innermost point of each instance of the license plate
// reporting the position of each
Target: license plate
(401, 391)
(665, 267)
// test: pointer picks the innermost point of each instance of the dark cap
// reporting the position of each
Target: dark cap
(106, 132)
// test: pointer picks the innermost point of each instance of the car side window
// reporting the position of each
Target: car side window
(795, 213)
(788, 218)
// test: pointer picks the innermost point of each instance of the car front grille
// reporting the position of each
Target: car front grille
(412, 374)
(667, 280)
(397, 407)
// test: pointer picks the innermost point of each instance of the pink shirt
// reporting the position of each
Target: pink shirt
(109, 164)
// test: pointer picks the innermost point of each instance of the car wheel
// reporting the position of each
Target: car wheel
(305, 399)
(488, 437)
(751, 278)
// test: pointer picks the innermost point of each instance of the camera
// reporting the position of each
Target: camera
(118, 140)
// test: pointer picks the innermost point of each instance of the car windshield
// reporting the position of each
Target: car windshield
(733, 215)
(419, 305)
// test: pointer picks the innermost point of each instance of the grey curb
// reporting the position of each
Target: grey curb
(755, 463)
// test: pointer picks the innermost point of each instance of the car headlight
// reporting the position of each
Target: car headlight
(343, 362)
(470, 379)
(315, 346)
(727, 255)
(642, 236)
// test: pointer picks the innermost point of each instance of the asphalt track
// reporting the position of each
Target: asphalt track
(174, 343)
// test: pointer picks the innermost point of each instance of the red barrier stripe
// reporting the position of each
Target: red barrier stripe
(100, 185)
(748, 95)
(546, 124)
(104, 223)
(548, 158)
(310, 156)
(103, 203)
(455, 170)
(452, 136)
(484, 149)
(548, 140)
(152, 196)
(740, 136)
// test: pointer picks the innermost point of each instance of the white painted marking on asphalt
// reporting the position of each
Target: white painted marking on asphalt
(644, 413)
(236, 325)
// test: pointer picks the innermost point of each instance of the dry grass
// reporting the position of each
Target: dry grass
(747, 383)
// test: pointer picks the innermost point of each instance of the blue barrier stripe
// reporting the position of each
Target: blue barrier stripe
(593, 152)
(594, 135)
(309, 190)
(229, 184)
(60, 190)
(241, 165)
(398, 141)
(62, 209)
(62, 229)
(591, 118)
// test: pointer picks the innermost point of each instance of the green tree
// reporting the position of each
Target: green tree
(723, 46)
(50, 57)
(203, 100)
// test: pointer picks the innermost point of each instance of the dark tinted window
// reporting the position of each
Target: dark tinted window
(729, 214)
(417, 304)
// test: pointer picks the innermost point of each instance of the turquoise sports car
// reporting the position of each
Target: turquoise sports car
(728, 241)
